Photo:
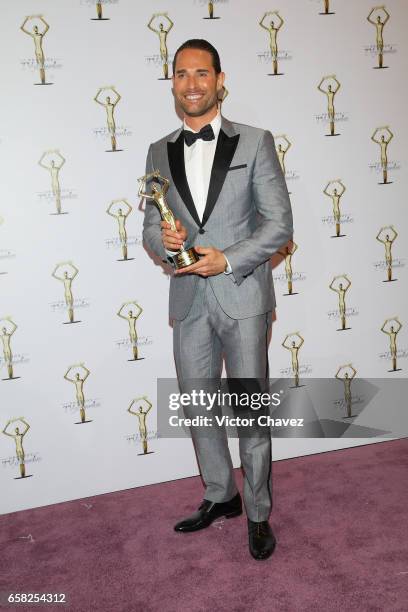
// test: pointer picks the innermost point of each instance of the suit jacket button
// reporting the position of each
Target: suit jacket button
(201, 231)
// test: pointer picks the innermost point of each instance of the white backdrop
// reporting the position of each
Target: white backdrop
(65, 460)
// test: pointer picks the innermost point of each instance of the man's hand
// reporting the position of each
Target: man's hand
(211, 263)
(172, 241)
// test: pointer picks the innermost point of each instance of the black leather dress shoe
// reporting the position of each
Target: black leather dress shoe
(208, 512)
(262, 542)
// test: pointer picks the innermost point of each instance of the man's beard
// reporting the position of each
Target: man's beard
(202, 111)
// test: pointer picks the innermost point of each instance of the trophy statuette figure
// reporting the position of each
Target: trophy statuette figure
(184, 257)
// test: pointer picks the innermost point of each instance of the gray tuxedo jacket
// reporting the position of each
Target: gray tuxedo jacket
(247, 216)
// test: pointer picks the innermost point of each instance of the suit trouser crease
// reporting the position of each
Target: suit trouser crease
(199, 343)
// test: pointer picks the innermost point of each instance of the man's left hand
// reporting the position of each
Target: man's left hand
(212, 262)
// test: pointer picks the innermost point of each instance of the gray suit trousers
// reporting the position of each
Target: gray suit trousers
(201, 340)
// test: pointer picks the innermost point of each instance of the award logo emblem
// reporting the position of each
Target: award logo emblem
(162, 34)
(335, 194)
(141, 414)
(66, 279)
(7, 329)
(347, 378)
(54, 165)
(341, 289)
(78, 381)
(392, 331)
(282, 149)
(110, 108)
(18, 439)
(287, 254)
(160, 187)
(273, 30)
(121, 213)
(385, 138)
(332, 88)
(387, 242)
(378, 17)
(131, 317)
(37, 37)
(294, 348)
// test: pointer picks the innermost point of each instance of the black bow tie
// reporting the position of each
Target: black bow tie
(206, 133)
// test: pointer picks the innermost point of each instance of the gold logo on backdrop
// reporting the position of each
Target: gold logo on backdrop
(109, 105)
(341, 289)
(332, 87)
(348, 374)
(335, 195)
(120, 210)
(7, 329)
(288, 254)
(18, 439)
(53, 161)
(294, 347)
(141, 415)
(69, 272)
(281, 149)
(273, 28)
(162, 34)
(78, 377)
(378, 17)
(387, 235)
(133, 313)
(37, 37)
(392, 327)
(383, 136)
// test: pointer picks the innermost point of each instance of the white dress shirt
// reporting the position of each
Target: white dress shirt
(198, 162)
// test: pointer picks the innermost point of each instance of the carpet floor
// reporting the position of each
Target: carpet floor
(340, 518)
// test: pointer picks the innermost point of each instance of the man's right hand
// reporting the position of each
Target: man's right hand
(173, 241)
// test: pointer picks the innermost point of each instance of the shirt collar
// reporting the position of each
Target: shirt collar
(215, 124)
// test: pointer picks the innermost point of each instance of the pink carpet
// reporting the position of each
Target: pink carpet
(340, 520)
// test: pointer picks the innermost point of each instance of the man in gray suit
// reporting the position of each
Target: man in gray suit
(230, 201)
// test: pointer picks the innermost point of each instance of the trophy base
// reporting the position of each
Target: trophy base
(185, 258)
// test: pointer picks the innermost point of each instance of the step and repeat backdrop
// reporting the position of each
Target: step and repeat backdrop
(83, 309)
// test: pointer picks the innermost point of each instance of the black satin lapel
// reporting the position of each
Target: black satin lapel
(224, 153)
(175, 152)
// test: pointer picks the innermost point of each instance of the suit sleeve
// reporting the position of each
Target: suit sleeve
(152, 219)
(271, 199)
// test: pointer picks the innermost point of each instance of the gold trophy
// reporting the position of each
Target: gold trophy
(182, 258)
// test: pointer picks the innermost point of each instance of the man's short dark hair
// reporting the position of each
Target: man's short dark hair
(204, 45)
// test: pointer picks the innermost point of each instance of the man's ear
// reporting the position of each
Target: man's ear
(220, 80)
